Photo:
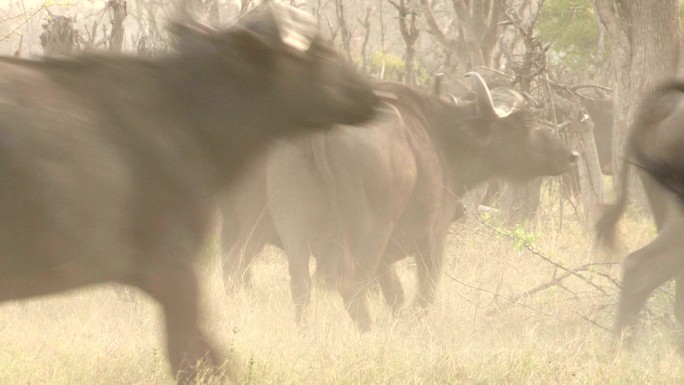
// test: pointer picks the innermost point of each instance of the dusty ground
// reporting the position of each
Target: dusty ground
(470, 336)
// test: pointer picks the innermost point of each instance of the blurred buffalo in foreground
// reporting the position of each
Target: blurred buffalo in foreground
(111, 164)
(656, 147)
(361, 200)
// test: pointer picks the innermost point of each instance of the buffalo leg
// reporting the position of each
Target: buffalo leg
(300, 280)
(361, 262)
(429, 262)
(354, 291)
(176, 289)
(367, 229)
(327, 264)
(645, 270)
(391, 287)
(349, 274)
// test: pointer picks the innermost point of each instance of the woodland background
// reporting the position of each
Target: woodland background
(563, 54)
(526, 298)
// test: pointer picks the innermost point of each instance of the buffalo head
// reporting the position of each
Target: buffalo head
(516, 146)
(283, 65)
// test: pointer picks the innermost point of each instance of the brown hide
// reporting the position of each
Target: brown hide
(360, 200)
(111, 164)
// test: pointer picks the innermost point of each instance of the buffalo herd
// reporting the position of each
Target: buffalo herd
(113, 167)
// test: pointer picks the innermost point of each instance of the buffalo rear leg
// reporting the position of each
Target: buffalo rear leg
(300, 281)
(189, 349)
(645, 270)
(354, 293)
(429, 262)
(391, 287)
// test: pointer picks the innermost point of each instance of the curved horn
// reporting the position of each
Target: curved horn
(453, 98)
(484, 96)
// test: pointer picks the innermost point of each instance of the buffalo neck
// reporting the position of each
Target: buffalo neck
(464, 157)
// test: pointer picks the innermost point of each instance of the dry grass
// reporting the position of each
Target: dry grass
(468, 337)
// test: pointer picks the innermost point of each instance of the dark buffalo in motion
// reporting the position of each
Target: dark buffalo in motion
(361, 200)
(111, 165)
(656, 147)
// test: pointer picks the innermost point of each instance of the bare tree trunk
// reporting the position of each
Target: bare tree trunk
(316, 11)
(244, 6)
(345, 32)
(589, 170)
(366, 24)
(382, 28)
(477, 26)
(409, 32)
(118, 13)
(214, 17)
(520, 202)
(645, 45)
(207, 10)
(59, 36)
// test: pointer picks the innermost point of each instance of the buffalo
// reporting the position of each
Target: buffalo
(655, 146)
(111, 165)
(361, 200)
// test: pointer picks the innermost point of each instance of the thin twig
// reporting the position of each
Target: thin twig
(578, 86)
(556, 281)
(18, 27)
(591, 321)
(496, 294)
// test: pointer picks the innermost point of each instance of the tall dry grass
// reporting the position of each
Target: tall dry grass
(469, 336)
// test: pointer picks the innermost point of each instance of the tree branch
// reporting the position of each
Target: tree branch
(434, 27)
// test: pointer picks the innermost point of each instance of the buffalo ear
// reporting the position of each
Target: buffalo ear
(465, 123)
(504, 102)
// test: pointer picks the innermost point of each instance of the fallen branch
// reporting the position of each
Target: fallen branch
(515, 302)
(496, 295)
(557, 281)
(529, 248)
(593, 322)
